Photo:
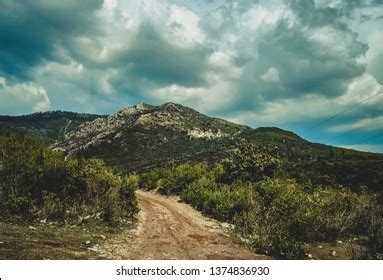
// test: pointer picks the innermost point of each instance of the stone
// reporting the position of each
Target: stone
(94, 248)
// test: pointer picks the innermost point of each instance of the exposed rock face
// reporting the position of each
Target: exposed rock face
(166, 131)
(210, 134)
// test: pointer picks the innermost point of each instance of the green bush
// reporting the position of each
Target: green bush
(374, 241)
(172, 180)
(40, 183)
(283, 217)
(222, 202)
(250, 163)
(149, 180)
(22, 207)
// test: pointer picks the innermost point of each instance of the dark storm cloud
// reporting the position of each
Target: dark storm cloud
(261, 61)
(310, 51)
(151, 57)
(310, 15)
(33, 32)
(307, 66)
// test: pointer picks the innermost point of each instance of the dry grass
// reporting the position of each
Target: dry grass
(51, 241)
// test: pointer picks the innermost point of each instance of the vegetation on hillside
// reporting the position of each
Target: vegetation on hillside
(275, 213)
(37, 183)
(280, 191)
(50, 126)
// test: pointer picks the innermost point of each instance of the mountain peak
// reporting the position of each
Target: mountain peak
(141, 127)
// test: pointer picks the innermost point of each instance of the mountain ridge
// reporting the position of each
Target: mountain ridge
(141, 137)
(50, 126)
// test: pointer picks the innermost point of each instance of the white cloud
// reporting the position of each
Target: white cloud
(217, 97)
(366, 125)
(272, 75)
(373, 148)
(183, 26)
(22, 98)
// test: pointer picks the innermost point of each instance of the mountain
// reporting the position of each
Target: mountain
(142, 137)
(51, 126)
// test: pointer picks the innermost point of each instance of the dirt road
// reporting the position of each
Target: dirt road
(168, 229)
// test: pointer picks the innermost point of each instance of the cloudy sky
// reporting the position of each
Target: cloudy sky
(288, 63)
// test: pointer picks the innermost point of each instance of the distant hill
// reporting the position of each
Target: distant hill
(142, 137)
(145, 136)
(51, 126)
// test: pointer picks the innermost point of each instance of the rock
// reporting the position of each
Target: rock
(333, 253)
(245, 241)
(94, 248)
(32, 228)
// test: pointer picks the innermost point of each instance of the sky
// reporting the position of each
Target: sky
(293, 64)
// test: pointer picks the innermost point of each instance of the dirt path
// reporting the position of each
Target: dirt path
(168, 229)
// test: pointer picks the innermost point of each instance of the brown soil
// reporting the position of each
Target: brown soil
(168, 229)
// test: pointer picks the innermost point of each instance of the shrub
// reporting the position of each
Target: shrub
(175, 180)
(250, 163)
(39, 183)
(21, 206)
(149, 180)
(374, 242)
(328, 214)
(219, 201)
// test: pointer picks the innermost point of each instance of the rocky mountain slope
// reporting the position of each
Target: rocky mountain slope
(51, 126)
(143, 136)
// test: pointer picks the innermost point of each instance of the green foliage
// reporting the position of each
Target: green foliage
(180, 177)
(22, 207)
(270, 224)
(250, 162)
(277, 215)
(284, 216)
(374, 221)
(50, 126)
(37, 182)
(172, 180)
(149, 180)
(220, 201)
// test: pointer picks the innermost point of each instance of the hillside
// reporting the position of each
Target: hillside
(144, 136)
(50, 126)
(283, 194)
